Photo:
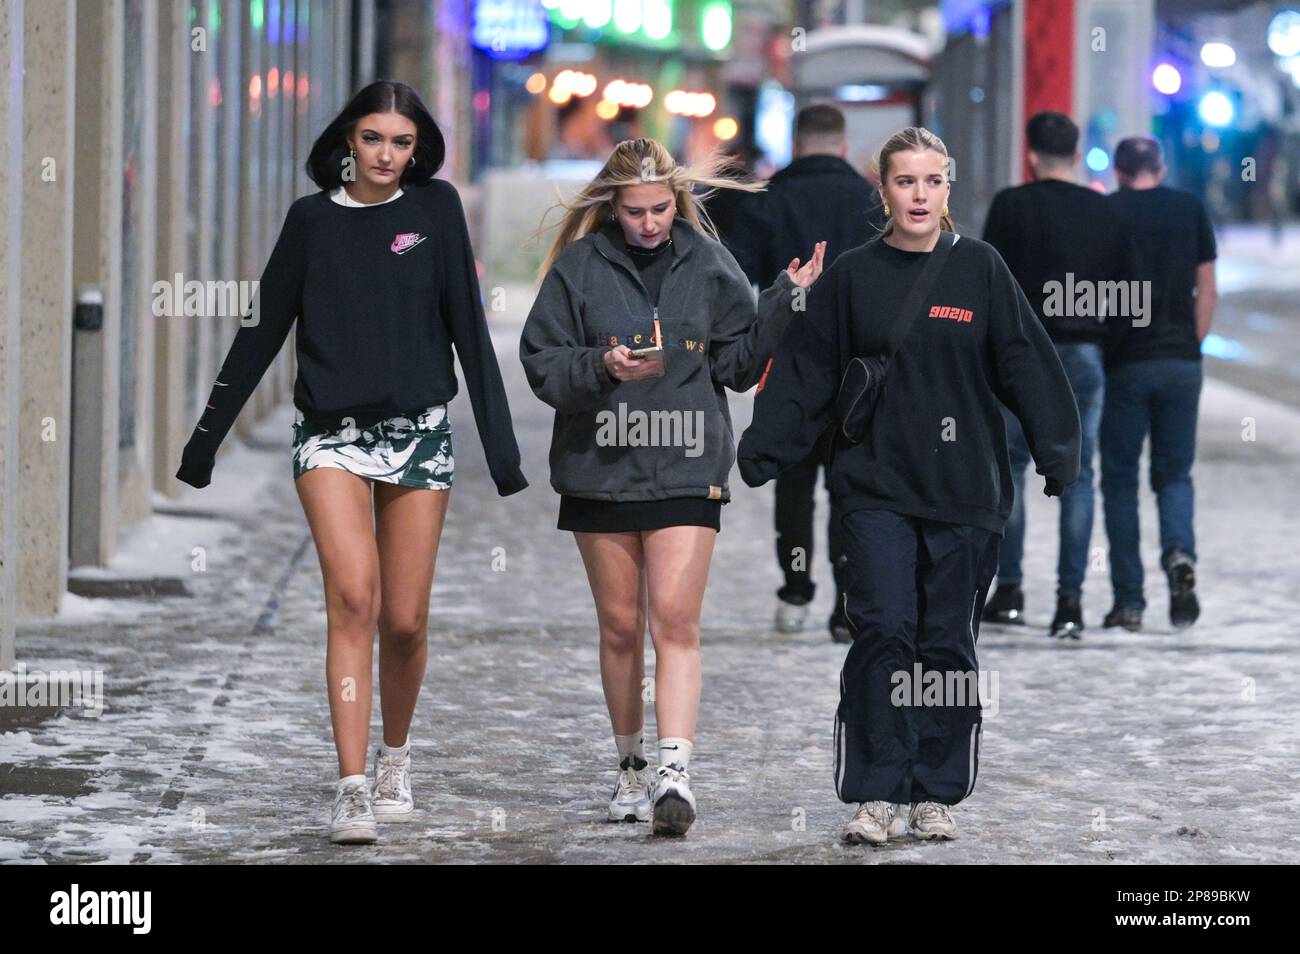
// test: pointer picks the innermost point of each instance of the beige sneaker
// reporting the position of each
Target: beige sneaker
(932, 820)
(874, 823)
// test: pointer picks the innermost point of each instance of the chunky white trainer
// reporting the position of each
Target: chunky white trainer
(874, 823)
(353, 821)
(631, 798)
(674, 805)
(932, 820)
(790, 617)
(391, 794)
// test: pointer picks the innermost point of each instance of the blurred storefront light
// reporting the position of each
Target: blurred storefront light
(1218, 55)
(508, 29)
(1216, 109)
(695, 105)
(657, 19)
(1167, 79)
(861, 93)
(622, 93)
(1284, 33)
(627, 15)
(715, 24)
(597, 13)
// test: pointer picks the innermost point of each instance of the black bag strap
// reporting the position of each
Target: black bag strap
(921, 290)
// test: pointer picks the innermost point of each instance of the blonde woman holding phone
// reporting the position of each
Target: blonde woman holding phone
(641, 321)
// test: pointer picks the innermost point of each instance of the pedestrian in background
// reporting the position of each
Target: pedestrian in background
(1153, 383)
(817, 197)
(1059, 238)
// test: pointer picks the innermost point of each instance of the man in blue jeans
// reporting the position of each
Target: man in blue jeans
(1153, 384)
(1066, 246)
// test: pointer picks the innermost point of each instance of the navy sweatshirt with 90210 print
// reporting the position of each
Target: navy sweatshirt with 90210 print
(937, 444)
(381, 293)
(715, 335)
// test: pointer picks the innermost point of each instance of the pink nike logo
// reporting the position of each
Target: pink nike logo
(406, 241)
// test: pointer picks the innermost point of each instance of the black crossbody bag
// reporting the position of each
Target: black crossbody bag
(864, 377)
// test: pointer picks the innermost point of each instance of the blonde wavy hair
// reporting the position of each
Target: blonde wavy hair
(911, 139)
(637, 162)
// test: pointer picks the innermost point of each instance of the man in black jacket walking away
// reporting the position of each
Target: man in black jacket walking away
(1072, 256)
(818, 197)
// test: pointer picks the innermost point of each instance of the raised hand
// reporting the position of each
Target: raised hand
(810, 271)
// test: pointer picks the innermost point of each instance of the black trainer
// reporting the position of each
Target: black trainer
(1126, 617)
(1180, 569)
(1068, 623)
(1007, 606)
(841, 631)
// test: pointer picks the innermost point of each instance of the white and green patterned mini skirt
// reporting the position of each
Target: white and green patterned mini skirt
(412, 449)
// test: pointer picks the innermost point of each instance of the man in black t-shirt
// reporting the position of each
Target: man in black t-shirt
(1153, 383)
(817, 197)
(1067, 248)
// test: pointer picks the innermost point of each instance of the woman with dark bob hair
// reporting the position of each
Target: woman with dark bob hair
(378, 268)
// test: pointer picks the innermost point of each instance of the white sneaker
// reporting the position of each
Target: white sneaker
(631, 798)
(790, 617)
(932, 820)
(674, 805)
(391, 795)
(353, 821)
(874, 823)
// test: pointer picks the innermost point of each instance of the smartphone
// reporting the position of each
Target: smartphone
(655, 355)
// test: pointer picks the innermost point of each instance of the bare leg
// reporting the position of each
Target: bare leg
(677, 571)
(408, 527)
(337, 505)
(614, 563)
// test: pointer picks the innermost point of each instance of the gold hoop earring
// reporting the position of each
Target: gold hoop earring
(945, 209)
(887, 210)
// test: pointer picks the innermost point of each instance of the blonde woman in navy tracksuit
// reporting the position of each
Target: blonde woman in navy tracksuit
(925, 495)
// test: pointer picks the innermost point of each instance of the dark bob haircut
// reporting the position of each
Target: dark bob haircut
(325, 164)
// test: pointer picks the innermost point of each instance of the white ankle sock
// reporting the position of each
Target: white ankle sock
(399, 752)
(349, 780)
(631, 747)
(676, 751)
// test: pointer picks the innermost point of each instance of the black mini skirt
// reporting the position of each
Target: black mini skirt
(612, 516)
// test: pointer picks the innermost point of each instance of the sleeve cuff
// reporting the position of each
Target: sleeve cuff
(511, 483)
(196, 473)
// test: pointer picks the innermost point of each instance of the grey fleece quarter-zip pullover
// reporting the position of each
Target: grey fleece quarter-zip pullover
(663, 437)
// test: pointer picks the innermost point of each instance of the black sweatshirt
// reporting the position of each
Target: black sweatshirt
(383, 292)
(937, 445)
(1048, 230)
(814, 199)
